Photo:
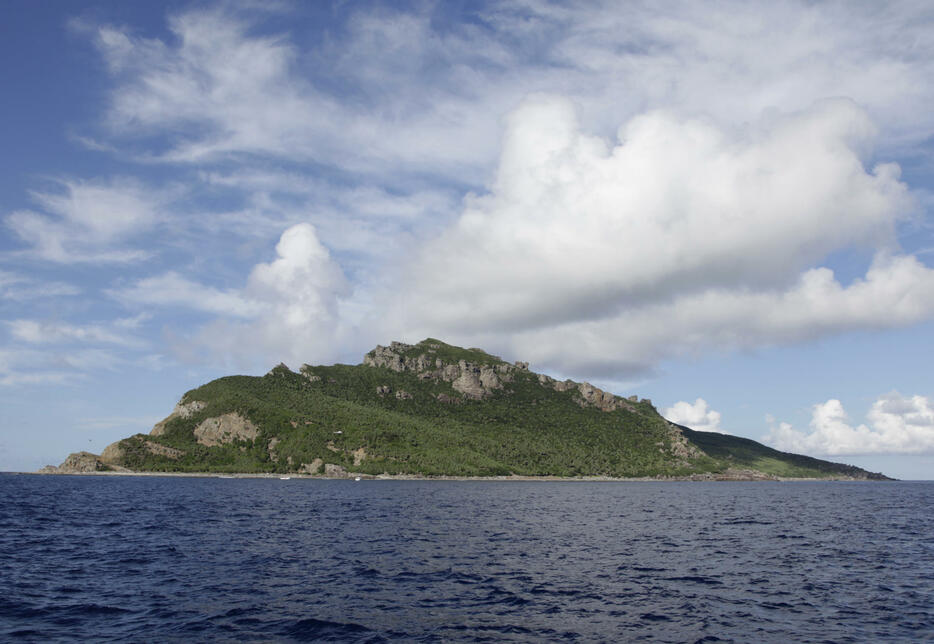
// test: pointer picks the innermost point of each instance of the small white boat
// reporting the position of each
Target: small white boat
(357, 478)
(284, 478)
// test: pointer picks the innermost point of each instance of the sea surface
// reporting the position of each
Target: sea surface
(208, 559)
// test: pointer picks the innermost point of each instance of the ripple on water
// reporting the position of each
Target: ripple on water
(176, 559)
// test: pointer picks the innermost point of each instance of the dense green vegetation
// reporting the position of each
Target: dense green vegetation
(746, 453)
(374, 420)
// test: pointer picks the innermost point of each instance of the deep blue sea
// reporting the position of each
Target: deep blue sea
(209, 559)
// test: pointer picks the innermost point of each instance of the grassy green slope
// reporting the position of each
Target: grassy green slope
(748, 454)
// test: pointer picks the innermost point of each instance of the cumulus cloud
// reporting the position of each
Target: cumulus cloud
(897, 425)
(288, 309)
(595, 249)
(696, 416)
(88, 220)
(679, 237)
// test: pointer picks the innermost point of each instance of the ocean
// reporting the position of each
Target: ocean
(166, 559)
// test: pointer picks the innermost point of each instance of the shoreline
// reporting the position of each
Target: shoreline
(696, 478)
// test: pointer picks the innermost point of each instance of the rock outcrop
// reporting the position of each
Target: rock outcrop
(681, 447)
(473, 380)
(76, 463)
(225, 429)
(113, 453)
(182, 410)
(479, 380)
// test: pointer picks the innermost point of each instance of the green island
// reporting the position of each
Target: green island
(435, 410)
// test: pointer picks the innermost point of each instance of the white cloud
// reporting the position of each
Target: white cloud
(17, 287)
(696, 416)
(897, 425)
(88, 221)
(400, 87)
(287, 310)
(56, 366)
(171, 289)
(679, 238)
(51, 332)
(702, 225)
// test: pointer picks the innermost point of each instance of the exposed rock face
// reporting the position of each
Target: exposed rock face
(271, 449)
(403, 395)
(479, 381)
(475, 381)
(225, 429)
(182, 410)
(468, 383)
(359, 455)
(388, 357)
(681, 447)
(588, 395)
(595, 397)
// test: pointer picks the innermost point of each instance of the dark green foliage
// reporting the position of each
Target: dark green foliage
(326, 414)
(744, 453)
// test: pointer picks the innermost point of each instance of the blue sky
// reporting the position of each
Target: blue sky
(722, 207)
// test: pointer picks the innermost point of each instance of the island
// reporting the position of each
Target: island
(434, 410)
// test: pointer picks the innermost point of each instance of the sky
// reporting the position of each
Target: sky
(725, 207)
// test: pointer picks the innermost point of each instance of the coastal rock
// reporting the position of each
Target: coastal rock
(80, 462)
(312, 468)
(330, 469)
(225, 429)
